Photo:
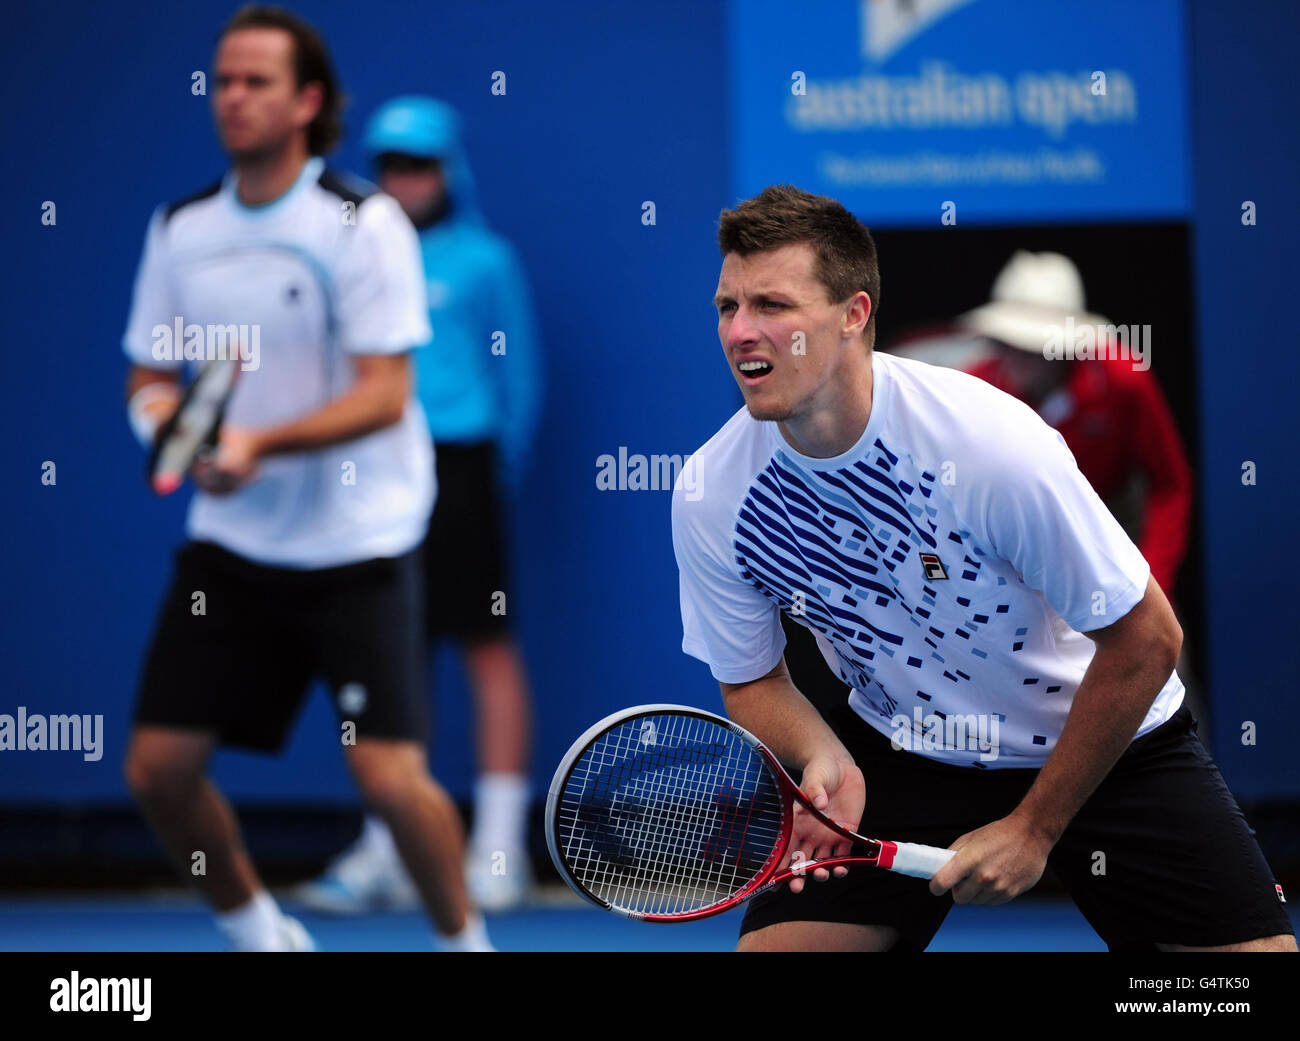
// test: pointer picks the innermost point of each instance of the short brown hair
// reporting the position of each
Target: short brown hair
(311, 64)
(783, 215)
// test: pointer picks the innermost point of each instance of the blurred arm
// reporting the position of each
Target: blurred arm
(376, 400)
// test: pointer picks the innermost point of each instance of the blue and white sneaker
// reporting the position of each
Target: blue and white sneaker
(359, 881)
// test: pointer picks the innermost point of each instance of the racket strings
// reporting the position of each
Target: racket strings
(635, 855)
(669, 814)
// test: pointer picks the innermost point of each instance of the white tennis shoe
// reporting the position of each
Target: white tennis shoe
(292, 936)
(498, 880)
(296, 936)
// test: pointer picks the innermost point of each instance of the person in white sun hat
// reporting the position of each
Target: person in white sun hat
(1096, 388)
(1036, 299)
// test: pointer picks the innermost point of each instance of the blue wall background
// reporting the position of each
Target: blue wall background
(1245, 80)
(607, 107)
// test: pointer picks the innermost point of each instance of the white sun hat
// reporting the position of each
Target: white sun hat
(1037, 300)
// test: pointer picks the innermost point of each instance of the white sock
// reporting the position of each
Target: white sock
(254, 926)
(501, 813)
(472, 938)
(377, 840)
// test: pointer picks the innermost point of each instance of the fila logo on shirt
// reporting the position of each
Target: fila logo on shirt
(1279, 892)
(933, 567)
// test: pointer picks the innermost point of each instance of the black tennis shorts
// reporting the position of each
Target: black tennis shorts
(464, 552)
(1181, 865)
(242, 668)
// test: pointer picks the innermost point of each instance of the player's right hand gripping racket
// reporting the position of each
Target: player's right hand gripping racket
(192, 431)
(666, 813)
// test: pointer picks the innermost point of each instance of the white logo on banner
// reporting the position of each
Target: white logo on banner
(889, 24)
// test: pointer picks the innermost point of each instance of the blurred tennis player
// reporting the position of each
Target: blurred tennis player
(1010, 660)
(479, 383)
(302, 554)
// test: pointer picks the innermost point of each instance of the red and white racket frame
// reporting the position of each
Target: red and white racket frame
(906, 858)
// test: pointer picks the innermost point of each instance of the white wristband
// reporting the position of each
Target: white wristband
(144, 417)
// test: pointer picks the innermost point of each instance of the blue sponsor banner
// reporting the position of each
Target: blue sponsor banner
(987, 110)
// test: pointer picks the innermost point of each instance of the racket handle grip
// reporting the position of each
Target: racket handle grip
(920, 861)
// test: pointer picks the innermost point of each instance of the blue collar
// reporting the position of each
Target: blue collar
(310, 173)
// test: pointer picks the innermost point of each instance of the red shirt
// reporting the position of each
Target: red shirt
(1115, 420)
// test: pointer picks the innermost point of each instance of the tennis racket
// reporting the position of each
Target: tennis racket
(666, 813)
(192, 431)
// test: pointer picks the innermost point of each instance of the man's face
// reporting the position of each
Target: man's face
(417, 184)
(257, 105)
(784, 339)
(1032, 376)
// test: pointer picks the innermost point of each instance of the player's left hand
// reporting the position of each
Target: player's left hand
(233, 464)
(838, 789)
(995, 863)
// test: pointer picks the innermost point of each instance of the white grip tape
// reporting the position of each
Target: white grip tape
(920, 861)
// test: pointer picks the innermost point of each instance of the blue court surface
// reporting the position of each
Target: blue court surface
(178, 922)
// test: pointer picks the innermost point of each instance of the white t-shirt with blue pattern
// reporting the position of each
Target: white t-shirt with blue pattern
(948, 563)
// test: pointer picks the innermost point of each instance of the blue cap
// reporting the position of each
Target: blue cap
(413, 126)
(428, 129)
